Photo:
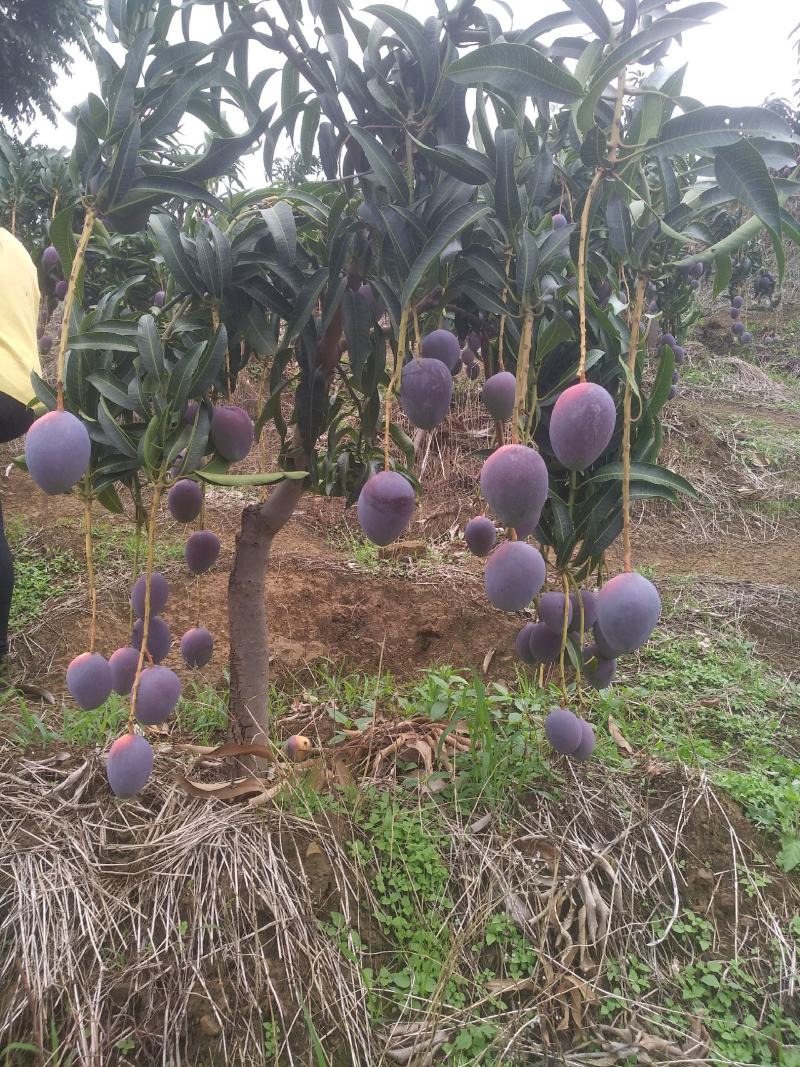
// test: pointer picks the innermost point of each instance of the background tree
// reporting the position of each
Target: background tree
(36, 39)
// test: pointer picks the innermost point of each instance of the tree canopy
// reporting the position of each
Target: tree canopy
(37, 38)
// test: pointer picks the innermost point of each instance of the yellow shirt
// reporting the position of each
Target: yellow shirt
(19, 313)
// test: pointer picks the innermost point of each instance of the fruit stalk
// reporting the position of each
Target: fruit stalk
(69, 300)
(564, 630)
(87, 529)
(582, 246)
(395, 379)
(151, 539)
(523, 362)
(633, 348)
(502, 330)
(613, 152)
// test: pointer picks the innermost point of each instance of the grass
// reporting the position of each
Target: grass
(200, 717)
(114, 546)
(41, 574)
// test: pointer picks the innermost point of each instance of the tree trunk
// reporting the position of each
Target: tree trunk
(247, 612)
(247, 608)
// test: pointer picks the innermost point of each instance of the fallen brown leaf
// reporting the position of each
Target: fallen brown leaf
(617, 736)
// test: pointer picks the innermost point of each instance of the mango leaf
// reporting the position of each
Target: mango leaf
(150, 347)
(384, 167)
(63, 239)
(649, 473)
(281, 225)
(240, 480)
(517, 69)
(411, 34)
(109, 386)
(451, 226)
(168, 238)
(622, 55)
(210, 363)
(742, 172)
(121, 100)
(357, 319)
(304, 305)
(527, 263)
(618, 218)
(464, 163)
(113, 432)
(659, 394)
(125, 159)
(706, 128)
(506, 195)
(223, 152)
(591, 13)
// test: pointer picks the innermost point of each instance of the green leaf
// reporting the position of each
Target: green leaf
(210, 363)
(150, 348)
(649, 473)
(451, 226)
(120, 107)
(723, 273)
(114, 433)
(386, 170)
(168, 239)
(125, 159)
(527, 263)
(618, 218)
(63, 238)
(304, 305)
(517, 69)
(506, 195)
(109, 498)
(659, 394)
(411, 34)
(166, 185)
(789, 856)
(706, 128)
(223, 152)
(403, 442)
(622, 55)
(308, 131)
(357, 319)
(109, 386)
(462, 162)
(281, 225)
(742, 172)
(591, 13)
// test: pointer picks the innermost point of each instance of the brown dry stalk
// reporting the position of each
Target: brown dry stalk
(633, 348)
(395, 380)
(69, 300)
(523, 362)
(87, 530)
(151, 539)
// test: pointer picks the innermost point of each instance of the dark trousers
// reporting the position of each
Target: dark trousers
(15, 419)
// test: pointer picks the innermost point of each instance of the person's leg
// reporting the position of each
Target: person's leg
(6, 587)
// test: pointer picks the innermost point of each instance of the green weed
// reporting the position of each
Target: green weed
(41, 574)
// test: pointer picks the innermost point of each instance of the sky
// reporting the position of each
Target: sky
(742, 56)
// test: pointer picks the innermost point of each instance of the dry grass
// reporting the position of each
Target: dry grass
(184, 927)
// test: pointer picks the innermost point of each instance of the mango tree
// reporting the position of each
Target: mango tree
(516, 193)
